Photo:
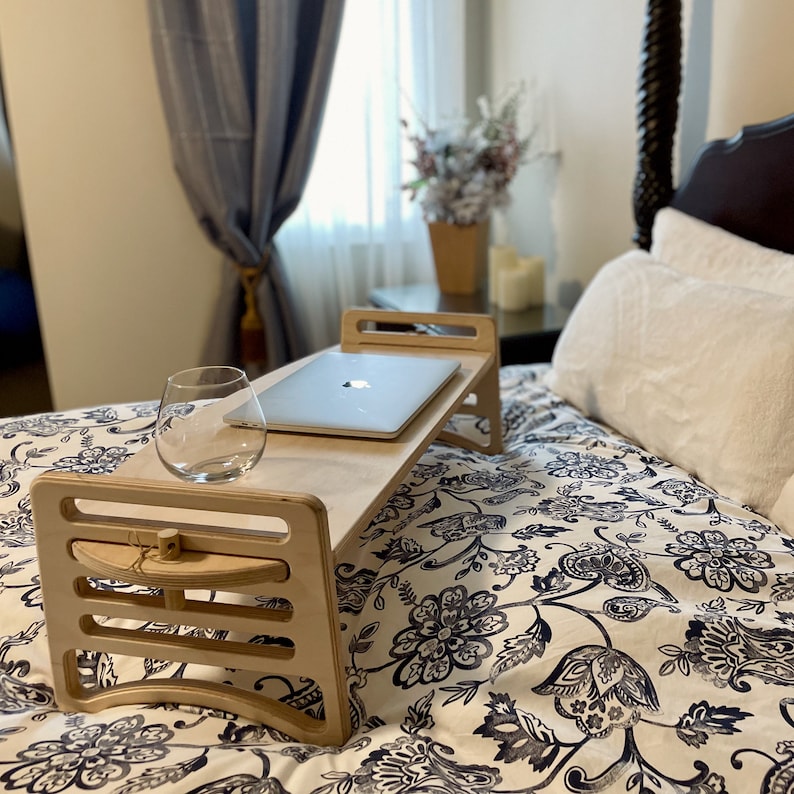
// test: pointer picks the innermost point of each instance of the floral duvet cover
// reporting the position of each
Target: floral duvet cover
(573, 615)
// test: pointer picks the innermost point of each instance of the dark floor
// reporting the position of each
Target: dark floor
(24, 388)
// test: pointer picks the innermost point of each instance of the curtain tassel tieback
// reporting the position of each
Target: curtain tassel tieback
(253, 349)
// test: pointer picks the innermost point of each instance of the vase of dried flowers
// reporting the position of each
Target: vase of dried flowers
(462, 175)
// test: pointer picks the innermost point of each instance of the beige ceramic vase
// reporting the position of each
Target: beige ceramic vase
(460, 254)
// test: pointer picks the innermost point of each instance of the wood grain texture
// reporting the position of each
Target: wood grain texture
(74, 544)
(316, 493)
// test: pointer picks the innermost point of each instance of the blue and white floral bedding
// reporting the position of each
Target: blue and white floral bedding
(571, 615)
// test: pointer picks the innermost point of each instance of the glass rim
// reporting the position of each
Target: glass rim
(186, 378)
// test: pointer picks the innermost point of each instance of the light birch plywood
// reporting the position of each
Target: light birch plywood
(125, 527)
(326, 466)
(74, 544)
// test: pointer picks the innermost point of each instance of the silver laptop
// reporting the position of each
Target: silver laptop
(352, 394)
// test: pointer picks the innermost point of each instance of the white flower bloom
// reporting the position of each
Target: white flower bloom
(464, 173)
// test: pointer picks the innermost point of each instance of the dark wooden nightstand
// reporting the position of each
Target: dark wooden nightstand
(525, 337)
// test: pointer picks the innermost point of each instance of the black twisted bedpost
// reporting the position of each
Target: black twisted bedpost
(657, 113)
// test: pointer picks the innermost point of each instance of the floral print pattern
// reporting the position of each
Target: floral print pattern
(447, 631)
(572, 615)
(88, 757)
(719, 561)
(601, 689)
(419, 764)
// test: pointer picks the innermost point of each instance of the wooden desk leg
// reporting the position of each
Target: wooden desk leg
(488, 405)
(83, 526)
(483, 338)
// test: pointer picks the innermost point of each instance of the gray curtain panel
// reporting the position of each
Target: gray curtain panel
(243, 85)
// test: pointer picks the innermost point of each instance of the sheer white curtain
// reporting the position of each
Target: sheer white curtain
(355, 229)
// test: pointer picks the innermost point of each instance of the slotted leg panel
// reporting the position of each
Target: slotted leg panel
(96, 526)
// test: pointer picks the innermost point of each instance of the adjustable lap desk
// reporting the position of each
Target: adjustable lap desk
(277, 532)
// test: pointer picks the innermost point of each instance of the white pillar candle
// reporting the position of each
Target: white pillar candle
(536, 267)
(520, 287)
(500, 257)
(513, 289)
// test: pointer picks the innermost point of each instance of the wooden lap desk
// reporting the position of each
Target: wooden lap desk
(276, 533)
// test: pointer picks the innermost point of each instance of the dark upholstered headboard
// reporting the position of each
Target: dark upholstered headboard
(744, 184)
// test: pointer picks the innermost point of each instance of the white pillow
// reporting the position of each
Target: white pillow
(782, 512)
(700, 249)
(700, 374)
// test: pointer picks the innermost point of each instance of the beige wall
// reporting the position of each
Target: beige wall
(752, 64)
(582, 57)
(125, 282)
(576, 210)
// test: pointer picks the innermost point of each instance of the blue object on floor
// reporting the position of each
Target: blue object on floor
(17, 304)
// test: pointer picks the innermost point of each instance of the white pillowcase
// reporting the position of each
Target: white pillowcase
(700, 249)
(698, 373)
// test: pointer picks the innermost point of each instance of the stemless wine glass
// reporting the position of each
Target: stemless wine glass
(192, 436)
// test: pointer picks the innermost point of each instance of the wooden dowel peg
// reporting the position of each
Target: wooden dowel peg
(168, 544)
(170, 550)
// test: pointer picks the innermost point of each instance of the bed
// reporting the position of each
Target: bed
(578, 613)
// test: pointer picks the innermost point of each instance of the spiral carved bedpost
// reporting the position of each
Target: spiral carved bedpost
(657, 113)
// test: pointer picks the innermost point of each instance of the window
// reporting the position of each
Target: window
(355, 229)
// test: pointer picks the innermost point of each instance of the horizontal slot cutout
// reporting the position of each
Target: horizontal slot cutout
(381, 327)
(216, 607)
(155, 516)
(177, 642)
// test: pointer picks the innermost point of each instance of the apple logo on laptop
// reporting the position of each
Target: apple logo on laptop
(356, 384)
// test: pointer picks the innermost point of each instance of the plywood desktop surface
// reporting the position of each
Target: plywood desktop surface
(325, 466)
